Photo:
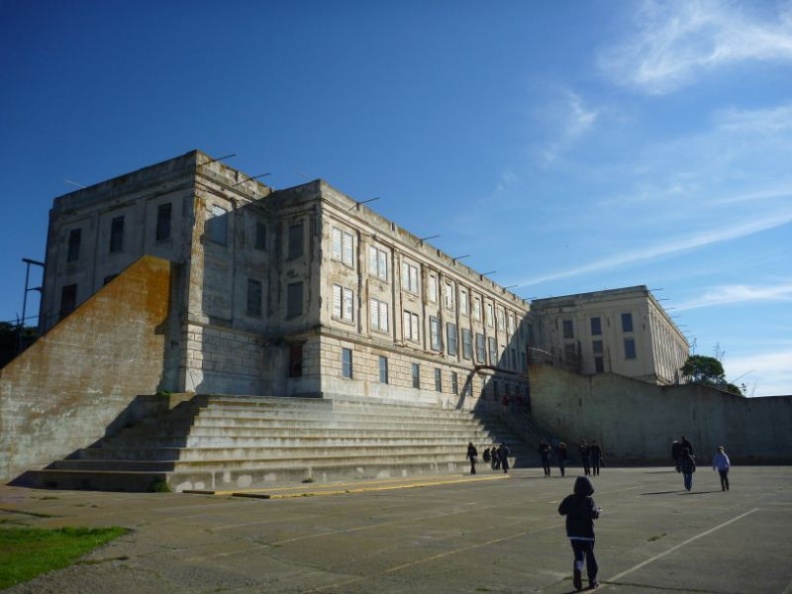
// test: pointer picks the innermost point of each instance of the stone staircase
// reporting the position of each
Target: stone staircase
(227, 443)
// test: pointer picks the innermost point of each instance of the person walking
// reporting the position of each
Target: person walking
(676, 453)
(585, 457)
(495, 458)
(472, 455)
(722, 464)
(561, 454)
(581, 511)
(503, 455)
(544, 453)
(687, 466)
(596, 457)
(684, 443)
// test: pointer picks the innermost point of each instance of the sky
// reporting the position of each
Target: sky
(563, 147)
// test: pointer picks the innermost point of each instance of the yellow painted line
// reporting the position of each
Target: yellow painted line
(344, 488)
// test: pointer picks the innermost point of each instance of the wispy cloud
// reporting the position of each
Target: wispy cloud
(668, 248)
(677, 40)
(732, 294)
(764, 374)
(569, 118)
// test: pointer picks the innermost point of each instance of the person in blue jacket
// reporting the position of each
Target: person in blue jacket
(581, 511)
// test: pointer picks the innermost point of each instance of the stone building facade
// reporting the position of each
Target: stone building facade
(623, 331)
(301, 291)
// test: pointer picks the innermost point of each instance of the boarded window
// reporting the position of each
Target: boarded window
(75, 238)
(163, 222)
(117, 235)
(295, 247)
(254, 298)
(294, 300)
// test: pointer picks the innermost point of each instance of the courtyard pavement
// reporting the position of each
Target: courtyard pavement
(433, 535)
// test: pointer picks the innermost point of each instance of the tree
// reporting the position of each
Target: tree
(14, 340)
(707, 371)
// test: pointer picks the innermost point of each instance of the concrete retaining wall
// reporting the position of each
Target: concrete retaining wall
(65, 390)
(636, 422)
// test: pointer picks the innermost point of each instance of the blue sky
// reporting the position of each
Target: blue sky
(568, 146)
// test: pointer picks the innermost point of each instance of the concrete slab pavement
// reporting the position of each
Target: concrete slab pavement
(455, 535)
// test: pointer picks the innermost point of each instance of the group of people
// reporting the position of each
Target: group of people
(581, 510)
(590, 457)
(685, 463)
(497, 457)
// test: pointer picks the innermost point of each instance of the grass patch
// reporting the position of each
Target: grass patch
(28, 552)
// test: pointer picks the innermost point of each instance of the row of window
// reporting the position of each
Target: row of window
(343, 250)
(347, 371)
(343, 310)
(596, 326)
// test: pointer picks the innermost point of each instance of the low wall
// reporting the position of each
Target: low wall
(636, 422)
(77, 380)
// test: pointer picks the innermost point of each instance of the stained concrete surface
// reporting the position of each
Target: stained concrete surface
(480, 534)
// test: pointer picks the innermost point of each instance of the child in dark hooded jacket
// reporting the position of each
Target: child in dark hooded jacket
(581, 511)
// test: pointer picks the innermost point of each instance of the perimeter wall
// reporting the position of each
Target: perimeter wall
(636, 422)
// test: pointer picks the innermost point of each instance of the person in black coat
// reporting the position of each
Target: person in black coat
(472, 454)
(687, 466)
(544, 453)
(561, 455)
(585, 457)
(581, 511)
(596, 457)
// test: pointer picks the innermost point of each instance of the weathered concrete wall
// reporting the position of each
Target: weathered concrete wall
(64, 391)
(636, 422)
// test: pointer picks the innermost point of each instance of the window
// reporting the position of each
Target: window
(467, 343)
(261, 237)
(596, 326)
(629, 348)
(254, 294)
(570, 352)
(295, 360)
(343, 247)
(627, 322)
(346, 363)
(569, 329)
(117, 235)
(295, 249)
(416, 375)
(596, 347)
(512, 326)
(383, 369)
(493, 350)
(599, 364)
(217, 225)
(434, 334)
(410, 278)
(481, 349)
(451, 338)
(411, 327)
(68, 300)
(432, 288)
(343, 303)
(501, 317)
(488, 314)
(378, 263)
(75, 238)
(163, 222)
(448, 296)
(379, 315)
(463, 303)
(477, 309)
(438, 376)
(294, 300)
(454, 382)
